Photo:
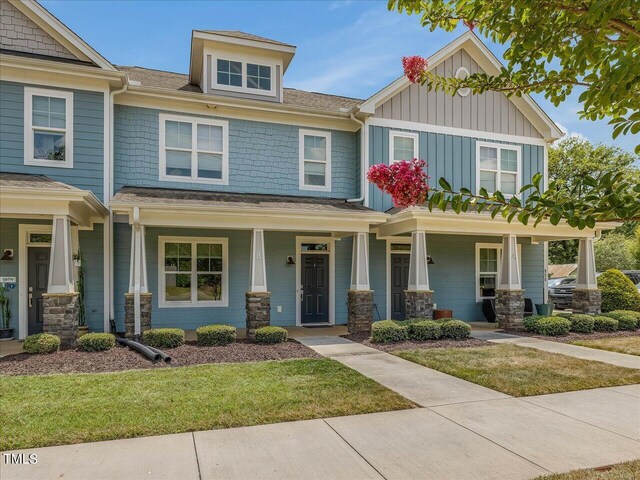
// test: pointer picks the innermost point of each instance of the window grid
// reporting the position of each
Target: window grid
(258, 76)
(315, 160)
(402, 146)
(498, 168)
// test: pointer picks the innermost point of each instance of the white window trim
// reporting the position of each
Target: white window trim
(163, 118)
(244, 60)
(398, 134)
(518, 172)
(163, 303)
(29, 92)
(314, 133)
(498, 247)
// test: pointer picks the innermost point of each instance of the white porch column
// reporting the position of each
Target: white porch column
(138, 270)
(510, 278)
(360, 262)
(75, 250)
(418, 270)
(258, 277)
(61, 261)
(586, 278)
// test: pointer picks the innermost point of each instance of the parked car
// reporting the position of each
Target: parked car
(561, 293)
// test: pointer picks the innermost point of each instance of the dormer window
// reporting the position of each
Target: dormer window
(243, 75)
(258, 76)
(229, 73)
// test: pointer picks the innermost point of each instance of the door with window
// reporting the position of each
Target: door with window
(38, 280)
(315, 284)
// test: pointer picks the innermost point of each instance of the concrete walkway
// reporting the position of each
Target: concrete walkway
(585, 353)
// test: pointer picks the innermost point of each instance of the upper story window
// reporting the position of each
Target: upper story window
(315, 160)
(194, 149)
(402, 146)
(498, 168)
(229, 73)
(48, 128)
(258, 76)
(243, 75)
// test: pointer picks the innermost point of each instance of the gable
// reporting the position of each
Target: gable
(21, 34)
(487, 112)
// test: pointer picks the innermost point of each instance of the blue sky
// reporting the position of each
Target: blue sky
(351, 48)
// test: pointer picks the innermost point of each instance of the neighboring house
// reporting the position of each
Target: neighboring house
(221, 196)
(563, 270)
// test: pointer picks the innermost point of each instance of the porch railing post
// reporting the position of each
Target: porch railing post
(418, 297)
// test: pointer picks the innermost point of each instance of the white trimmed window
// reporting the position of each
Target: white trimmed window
(498, 168)
(488, 261)
(48, 128)
(315, 160)
(402, 146)
(244, 74)
(194, 149)
(193, 272)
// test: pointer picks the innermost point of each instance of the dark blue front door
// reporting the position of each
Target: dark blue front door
(315, 288)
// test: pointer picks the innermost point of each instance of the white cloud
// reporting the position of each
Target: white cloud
(568, 134)
(340, 4)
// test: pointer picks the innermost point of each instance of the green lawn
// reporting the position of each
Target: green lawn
(629, 345)
(63, 409)
(621, 471)
(521, 371)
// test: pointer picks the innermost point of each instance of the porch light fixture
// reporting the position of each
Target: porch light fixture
(430, 260)
(290, 260)
(7, 254)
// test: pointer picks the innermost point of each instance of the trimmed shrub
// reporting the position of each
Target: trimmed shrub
(618, 292)
(425, 330)
(163, 337)
(553, 326)
(625, 322)
(271, 335)
(387, 331)
(581, 323)
(531, 323)
(563, 315)
(455, 329)
(629, 313)
(215, 335)
(41, 343)
(97, 342)
(604, 324)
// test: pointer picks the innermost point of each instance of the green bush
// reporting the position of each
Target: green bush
(425, 330)
(41, 343)
(215, 335)
(604, 324)
(271, 335)
(553, 326)
(163, 337)
(97, 342)
(563, 314)
(531, 323)
(581, 323)
(455, 329)
(625, 322)
(618, 292)
(387, 331)
(629, 313)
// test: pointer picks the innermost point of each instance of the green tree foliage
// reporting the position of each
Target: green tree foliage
(635, 248)
(554, 47)
(614, 251)
(618, 292)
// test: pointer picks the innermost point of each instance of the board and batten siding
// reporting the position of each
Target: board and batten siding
(263, 157)
(489, 112)
(450, 156)
(88, 138)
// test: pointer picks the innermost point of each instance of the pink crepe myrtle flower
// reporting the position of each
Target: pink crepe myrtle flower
(469, 24)
(405, 181)
(414, 67)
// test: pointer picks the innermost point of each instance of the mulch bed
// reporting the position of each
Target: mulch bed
(414, 344)
(123, 358)
(574, 336)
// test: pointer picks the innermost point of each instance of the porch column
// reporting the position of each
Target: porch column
(258, 299)
(509, 294)
(360, 295)
(60, 303)
(586, 296)
(137, 307)
(418, 297)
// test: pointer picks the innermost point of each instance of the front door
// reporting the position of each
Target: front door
(399, 282)
(38, 282)
(315, 288)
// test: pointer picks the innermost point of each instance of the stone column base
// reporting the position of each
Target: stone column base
(258, 306)
(60, 316)
(418, 304)
(586, 301)
(509, 308)
(360, 311)
(129, 314)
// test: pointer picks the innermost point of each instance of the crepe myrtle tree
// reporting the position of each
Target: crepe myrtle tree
(554, 47)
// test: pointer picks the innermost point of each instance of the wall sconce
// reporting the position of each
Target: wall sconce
(430, 260)
(7, 254)
(290, 260)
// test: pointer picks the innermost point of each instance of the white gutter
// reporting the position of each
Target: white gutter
(364, 155)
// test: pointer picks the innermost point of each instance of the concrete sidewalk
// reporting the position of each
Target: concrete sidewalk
(585, 353)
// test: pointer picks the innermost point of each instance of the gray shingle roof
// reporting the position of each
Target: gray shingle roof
(296, 98)
(245, 36)
(167, 196)
(24, 180)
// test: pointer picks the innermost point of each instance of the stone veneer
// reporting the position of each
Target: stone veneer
(418, 303)
(360, 311)
(586, 300)
(129, 313)
(258, 305)
(509, 308)
(60, 316)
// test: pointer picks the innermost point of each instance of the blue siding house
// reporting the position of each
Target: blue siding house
(222, 196)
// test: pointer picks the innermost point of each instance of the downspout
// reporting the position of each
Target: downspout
(364, 136)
